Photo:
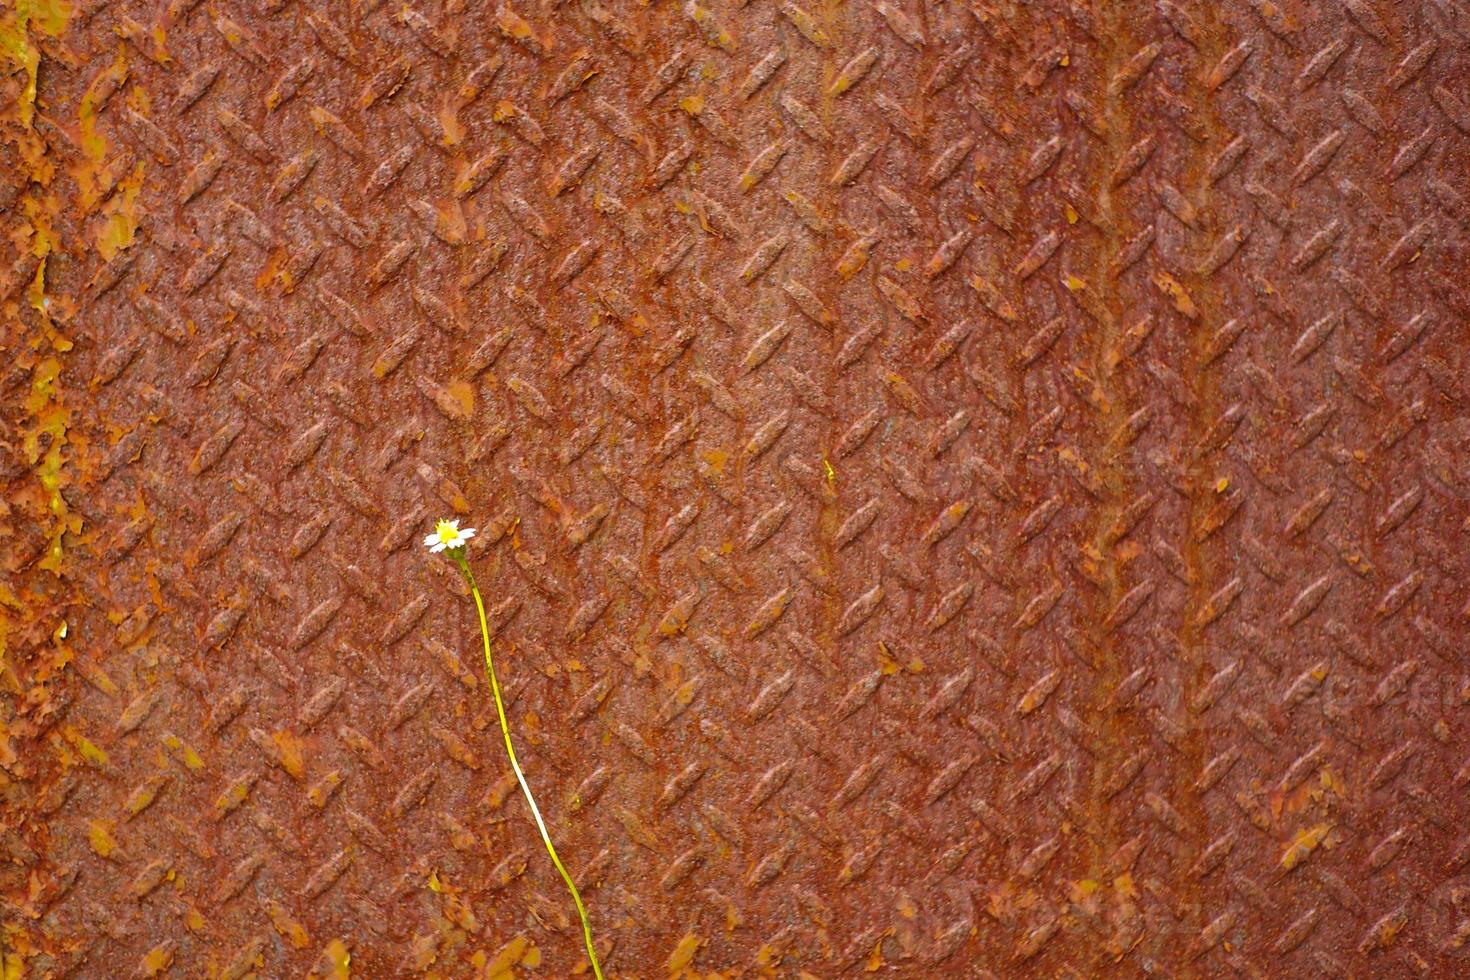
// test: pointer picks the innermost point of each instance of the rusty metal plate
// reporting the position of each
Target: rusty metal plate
(964, 489)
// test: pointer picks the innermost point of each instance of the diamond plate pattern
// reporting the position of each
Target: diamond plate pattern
(965, 489)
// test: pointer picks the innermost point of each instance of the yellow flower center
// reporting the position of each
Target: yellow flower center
(447, 532)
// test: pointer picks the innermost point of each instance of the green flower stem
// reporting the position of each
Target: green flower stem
(520, 776)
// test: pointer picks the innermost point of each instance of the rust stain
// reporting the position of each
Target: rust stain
(964, 489)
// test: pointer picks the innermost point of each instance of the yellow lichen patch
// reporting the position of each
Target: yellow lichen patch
(889, 665)
(46, 16)
(142, 798)
(450, 223)
(235, 794)
(94, 755)
(520, 951)
(51, 420)
(902, 391)
(1083, 469)
(1331, 782)
(683, 695)
(7, 748)
(454, 131)
(513, 25)
(1006, 904)
(769, 956)
(684, 953)
(94, 146)
(1032, 700)
(335, 962)
(1385, 931)
(875, 957)
(733, 919)
(322, 120)
(273, 268)
(289, 753)
(49, 416)
(886, 664)
(458, 911)
(158, 960)
(1074, 283)
(1087, 896)
(120, 221)
(1303, 844)
(1171, 288)
(715, 460)
(16, 946)
(290, 930)
(183, 750)
(463, 395)
(716, 35)
(1091, 563)
(157, 37)
(41, 598)
(99, 835)
(320, 794)
(854, 259)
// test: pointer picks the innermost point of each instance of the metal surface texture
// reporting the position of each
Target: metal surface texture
(963, 488)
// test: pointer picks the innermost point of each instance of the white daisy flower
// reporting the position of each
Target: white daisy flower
(447, 535)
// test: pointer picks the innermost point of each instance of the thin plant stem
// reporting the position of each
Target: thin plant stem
(520, 776)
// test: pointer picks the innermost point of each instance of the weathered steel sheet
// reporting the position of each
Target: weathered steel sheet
(964, 488)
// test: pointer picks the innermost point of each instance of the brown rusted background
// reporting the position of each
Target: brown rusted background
(963, 487)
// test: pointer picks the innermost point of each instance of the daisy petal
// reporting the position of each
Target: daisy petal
(468, 532)
(429, 540)
(437, 548)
